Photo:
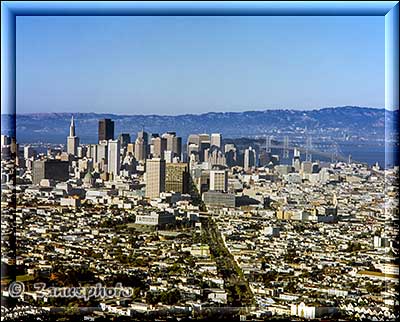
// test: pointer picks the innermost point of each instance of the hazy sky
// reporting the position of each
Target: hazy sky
(176, 65)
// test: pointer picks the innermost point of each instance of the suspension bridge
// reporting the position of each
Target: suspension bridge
(310, 150)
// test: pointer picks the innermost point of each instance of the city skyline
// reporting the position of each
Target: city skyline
(214, 222)
(197, 64)
(226, 163)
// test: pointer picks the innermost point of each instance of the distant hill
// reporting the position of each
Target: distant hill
(54, 127)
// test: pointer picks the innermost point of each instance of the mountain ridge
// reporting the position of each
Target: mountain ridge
(211, 112)
(352, 120)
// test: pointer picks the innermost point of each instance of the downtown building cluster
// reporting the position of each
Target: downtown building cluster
(200, 228)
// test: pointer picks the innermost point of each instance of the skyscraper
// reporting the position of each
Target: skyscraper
(193, 139)
(102, 155)
(106, 130)
(177, 177)
(231, 155)
(216, 140)
(140, 149)
(155, 177)
(72, 139)
(177, 146)
(92, 152)
(204, 143)
(159, 146)
(249, 158)
(114, 158)
(5, 140)
(28, 152)
(296, 162)
(214, 156)
(204, 138)
(124, 139)
(174, 143)
(144, 136)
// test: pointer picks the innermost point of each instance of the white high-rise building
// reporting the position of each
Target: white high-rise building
(5, 140)
(114, 157)
(28, 152)
(168, 156)
(249, 158)
(219, 180)
(91, 152)
(216, 140)
(102, 151)
(72, 139)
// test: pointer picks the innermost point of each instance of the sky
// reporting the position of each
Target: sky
(179, 65)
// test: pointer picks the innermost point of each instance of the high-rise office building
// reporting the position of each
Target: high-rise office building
(145, 137)
(82, 151)
(140, 149)
(204, 146)
(249, 158)
(131, 148)
(91, 152)
(114, 157)
(177, 146)
(177, 177)
(151, 144)
(168, 156)
(106, 130)
(192, 149)
(72, 139)
(50, 169)
(159, 146)
(204, 137)
(193, 139)
(219, 180)
(214, 156)
(124, 139)
(216, 140)
(102, 155)
(155, 177)
(5, 140)
(28, 152)
(231, 155)
(296, 162)
(174, 143)
(193, 144)
(102, 151)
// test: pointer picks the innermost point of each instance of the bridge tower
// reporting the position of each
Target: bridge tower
(308, 148)
(268, 141)
(286, 147)
(335, 153)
